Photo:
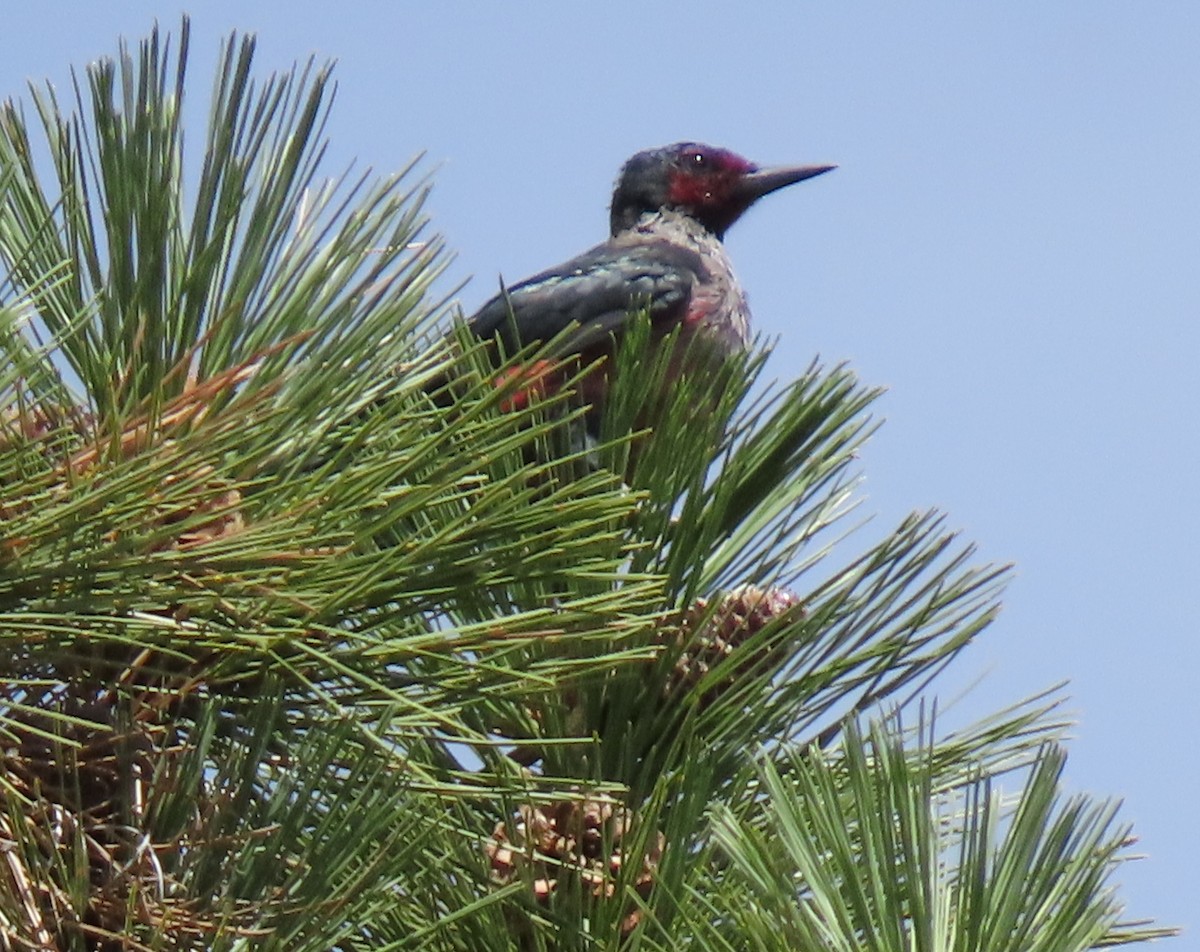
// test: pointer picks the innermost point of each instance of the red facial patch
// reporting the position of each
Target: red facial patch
(706, 177)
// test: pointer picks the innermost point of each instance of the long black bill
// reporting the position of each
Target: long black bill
(762, 182)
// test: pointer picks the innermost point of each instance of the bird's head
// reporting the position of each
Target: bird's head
(712, 185)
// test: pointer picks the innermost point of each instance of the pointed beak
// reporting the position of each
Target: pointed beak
(760, 182)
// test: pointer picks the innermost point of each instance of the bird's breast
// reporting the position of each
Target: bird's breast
(716, 306)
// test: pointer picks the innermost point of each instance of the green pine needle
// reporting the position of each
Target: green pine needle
(321, 628)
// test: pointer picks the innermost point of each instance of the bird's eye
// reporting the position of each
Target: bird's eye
(699, 161)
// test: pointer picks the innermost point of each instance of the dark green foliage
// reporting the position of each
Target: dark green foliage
(297, 656)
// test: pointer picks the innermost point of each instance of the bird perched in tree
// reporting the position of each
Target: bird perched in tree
(670, 211)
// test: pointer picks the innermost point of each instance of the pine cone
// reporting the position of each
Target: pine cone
(708, 636)
(80, 779)
(89, 769)
(577, 838)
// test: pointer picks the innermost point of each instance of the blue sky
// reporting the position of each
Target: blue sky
(1011, 244)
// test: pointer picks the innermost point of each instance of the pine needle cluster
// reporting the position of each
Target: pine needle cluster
(296, 657)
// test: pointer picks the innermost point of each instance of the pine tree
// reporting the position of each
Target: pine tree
(294, 657)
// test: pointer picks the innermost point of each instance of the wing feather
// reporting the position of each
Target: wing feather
(593, 293)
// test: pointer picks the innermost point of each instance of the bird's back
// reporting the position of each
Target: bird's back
(666, 264)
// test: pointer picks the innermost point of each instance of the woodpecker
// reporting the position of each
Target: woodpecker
(670, 211)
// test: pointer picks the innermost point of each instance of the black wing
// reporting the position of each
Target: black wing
(595, 291)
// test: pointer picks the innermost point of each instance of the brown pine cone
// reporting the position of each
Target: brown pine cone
(709, 636)
(577, 838)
